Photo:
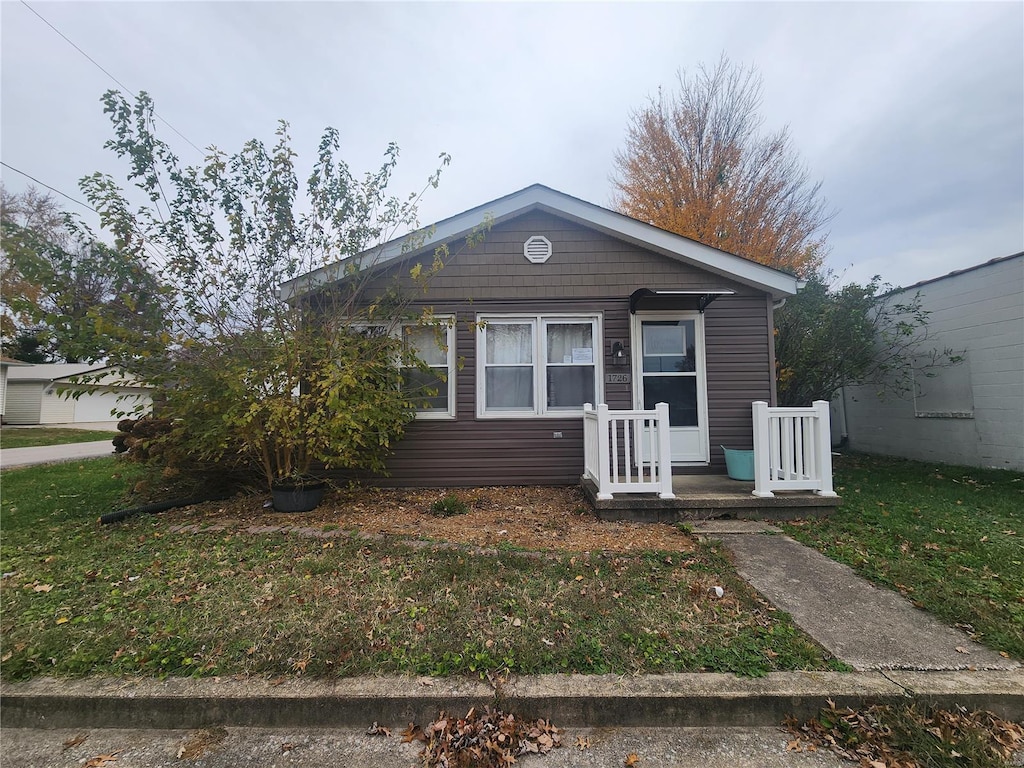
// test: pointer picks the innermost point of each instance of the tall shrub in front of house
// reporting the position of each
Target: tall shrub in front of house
(247, 380)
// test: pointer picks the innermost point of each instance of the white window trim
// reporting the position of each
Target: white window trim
(538, 320)
(448, 321)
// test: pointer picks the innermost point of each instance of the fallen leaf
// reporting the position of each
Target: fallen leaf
(63, 620)
(961, 649)
(413, 733)
(42, 587)
(582, 743)
(378, 730)
(631, 759)
(100, 760)
(74, 741)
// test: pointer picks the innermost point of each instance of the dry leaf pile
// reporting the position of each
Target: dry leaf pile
(491, 739)
(883, 736)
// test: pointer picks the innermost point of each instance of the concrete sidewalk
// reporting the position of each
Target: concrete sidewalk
(866, 626)
(51, 454)
(354, 748)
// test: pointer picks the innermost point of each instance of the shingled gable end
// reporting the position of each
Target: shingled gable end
(614, 311)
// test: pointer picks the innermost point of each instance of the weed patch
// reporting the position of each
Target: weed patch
(449, 505)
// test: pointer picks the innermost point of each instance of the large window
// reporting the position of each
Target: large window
(537, 365)
(433, 391)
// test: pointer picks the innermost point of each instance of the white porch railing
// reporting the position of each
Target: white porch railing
(792, 449)
(614, 455)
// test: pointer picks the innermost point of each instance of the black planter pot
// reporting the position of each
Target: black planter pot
(298, 498)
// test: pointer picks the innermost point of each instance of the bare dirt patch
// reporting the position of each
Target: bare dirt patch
(532, 518)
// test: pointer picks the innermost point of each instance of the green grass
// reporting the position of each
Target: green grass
(24, 438)
(139, 598)
(950, 538)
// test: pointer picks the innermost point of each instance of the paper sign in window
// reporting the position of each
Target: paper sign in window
(582, 355)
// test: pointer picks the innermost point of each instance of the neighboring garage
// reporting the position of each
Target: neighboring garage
(42, 394)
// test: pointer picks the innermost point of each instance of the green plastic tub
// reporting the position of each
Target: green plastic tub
(739, 464)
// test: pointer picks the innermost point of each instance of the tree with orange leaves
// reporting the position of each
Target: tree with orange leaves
(696, 164)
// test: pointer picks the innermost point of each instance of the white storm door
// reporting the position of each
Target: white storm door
(668, 367)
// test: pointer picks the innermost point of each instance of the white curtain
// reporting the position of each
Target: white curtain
(509, 373)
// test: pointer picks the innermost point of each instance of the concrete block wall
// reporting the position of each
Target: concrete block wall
(973, 413)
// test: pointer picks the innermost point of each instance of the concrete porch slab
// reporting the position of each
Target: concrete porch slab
(701, 497)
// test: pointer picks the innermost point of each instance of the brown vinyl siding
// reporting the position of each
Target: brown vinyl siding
(588, 272)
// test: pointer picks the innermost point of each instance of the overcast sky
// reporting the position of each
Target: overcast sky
(911, 115)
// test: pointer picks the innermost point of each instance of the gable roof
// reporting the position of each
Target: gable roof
(540, 198)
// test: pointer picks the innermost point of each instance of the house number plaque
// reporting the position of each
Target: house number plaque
(618, 378)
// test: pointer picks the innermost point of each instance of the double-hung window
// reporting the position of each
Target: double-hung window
(537, 365)
(433, 390)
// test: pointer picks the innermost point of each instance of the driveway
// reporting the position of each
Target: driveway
(49, 454)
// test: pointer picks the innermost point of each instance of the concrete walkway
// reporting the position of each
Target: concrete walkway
(866, 626)
(50, 454)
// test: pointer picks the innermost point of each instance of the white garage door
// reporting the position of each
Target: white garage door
(98, 405)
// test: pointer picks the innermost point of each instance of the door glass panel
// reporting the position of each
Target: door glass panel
(680, 392)
(668, 347)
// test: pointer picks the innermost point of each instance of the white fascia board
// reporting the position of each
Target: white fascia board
(778, 284)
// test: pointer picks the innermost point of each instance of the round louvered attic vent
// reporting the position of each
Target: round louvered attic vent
(537, 249)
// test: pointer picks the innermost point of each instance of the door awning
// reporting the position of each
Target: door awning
(698, 300)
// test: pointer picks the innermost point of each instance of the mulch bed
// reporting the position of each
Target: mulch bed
(531, 518)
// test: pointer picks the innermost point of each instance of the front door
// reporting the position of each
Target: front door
(668, 365)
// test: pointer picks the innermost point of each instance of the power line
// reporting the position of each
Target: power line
(153, 250)
(44, 184)
(104, 71)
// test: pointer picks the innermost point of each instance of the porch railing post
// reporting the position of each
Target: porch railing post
(604, 448)
(664, 452)
(823, 448)
(762, 450)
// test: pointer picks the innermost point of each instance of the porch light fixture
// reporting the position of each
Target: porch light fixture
(618, 353)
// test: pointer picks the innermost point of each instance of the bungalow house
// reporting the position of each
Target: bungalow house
(567, 303)
(45, 394)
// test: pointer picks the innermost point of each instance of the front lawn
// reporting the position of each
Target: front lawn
(11, 437)
(949, 538)
(192, 592)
